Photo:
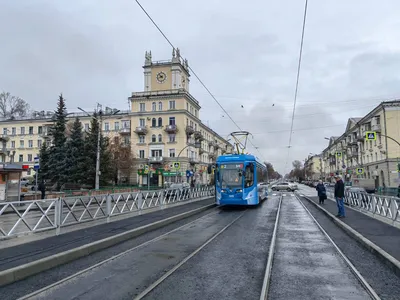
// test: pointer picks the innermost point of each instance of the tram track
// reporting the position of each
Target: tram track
(48, 289)
(271, 262)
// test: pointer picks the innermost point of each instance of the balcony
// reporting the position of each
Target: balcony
(140, 130)
(4, 150)
(189, 130)
(376, 128)
(4, 138)
(171, 128)
(202, 151)
(156, 159)
(125, 131)
(212, 155)
(212, 143)
(198, 136)
(193, 161)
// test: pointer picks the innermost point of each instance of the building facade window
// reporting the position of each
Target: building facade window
(153, 106)
(171, 138)
(116, 126)
(153, 138)
(171, 120)
(30, 129)
(30, 143)
(21, 158)
(142, 122)
(160, 138)
(153, 122)
(29, 157)
(21, 144)
(14, 131)
(171, 152)
(142, 139)
(172, 104)
(22, 130)
(159, 122)
(142, 107)
(141, 153)
(106, 126)
(160, 106)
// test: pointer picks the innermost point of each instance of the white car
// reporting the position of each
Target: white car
(283, 186)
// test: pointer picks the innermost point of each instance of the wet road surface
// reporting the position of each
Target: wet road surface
(129, 274)
(232, 267)
(306, 265)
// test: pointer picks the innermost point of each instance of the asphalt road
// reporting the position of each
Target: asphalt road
(231, 267)
(306, 265)
(25, 253)
(126, 276)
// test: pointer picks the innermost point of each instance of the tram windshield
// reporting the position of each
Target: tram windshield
(230, 175)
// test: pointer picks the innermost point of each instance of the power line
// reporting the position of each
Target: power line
(297, 79)
(193, 72)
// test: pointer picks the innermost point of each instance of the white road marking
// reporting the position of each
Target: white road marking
(284, 195)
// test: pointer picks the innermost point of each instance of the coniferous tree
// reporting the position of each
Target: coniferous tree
(90, 151)
(44, 156)
(107, 171)
(57, 161)
(75, 156)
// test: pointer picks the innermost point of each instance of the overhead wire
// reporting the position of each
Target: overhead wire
(195, 74)
(297, 80)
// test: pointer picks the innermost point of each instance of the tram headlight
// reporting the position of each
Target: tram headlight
(239, 191)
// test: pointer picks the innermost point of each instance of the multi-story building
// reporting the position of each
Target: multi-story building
(163, 129)
(167, 126)
(314, 167)
(378, 158)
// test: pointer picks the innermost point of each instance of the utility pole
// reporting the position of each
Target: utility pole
(99, 119)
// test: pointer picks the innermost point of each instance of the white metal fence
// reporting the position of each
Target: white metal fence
(384, 206)
(18, 218)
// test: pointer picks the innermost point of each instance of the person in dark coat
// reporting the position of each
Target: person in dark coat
(42, 189)
(339, 196)
(321, 192)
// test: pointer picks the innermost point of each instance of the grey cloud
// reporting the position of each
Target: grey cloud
(93, 52)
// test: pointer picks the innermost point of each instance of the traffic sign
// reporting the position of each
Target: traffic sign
(339, 154)
(360, 171)
(36, 165)
(370, 135)
(177, 165)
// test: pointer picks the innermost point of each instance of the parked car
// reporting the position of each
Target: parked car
(175, 188)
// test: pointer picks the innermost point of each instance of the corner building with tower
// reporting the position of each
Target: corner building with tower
(167, 129)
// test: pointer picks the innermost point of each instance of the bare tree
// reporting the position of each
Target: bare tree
(122, 160)
(12, 106)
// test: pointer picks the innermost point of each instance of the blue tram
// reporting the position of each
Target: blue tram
(240, 180)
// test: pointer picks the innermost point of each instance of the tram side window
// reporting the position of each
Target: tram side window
(260, 177)
(249, 180)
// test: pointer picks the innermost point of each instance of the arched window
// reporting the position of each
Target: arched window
(160, 106)
(153, 138)
(154, 122)
(160, 138)
(159, 122)
(153, 106)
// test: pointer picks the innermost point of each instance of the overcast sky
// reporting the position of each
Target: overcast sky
(246, 53)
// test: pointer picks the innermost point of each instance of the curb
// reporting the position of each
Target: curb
(38, 266)
(389, 260)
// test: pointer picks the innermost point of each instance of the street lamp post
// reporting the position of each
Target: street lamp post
(98, 151)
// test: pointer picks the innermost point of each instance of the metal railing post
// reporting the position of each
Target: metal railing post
(162, 201)
(140, 202)
(108, 206)
(58, 215)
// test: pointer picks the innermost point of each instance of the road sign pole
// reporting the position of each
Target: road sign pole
(36, 185)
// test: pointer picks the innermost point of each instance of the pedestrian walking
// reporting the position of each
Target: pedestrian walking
(321, 192)
(339, 196)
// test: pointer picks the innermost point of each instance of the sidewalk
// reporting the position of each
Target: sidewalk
(13, 256)
(383, 235)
